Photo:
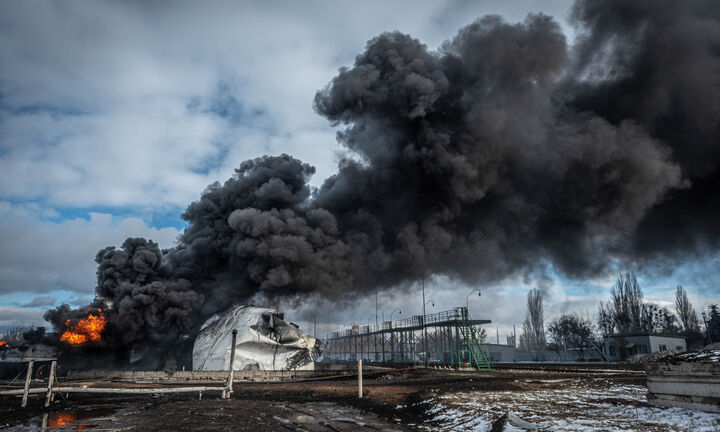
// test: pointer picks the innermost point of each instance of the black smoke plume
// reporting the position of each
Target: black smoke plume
(502, 151)
(658, 64)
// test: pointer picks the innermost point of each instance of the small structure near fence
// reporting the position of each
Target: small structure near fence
(687, 380)
(619, 347)
(499, 353)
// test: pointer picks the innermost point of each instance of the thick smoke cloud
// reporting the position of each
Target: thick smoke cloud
(500, 152)
(658, 63)
(472, 165)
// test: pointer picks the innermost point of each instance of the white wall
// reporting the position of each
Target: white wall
(670, 343)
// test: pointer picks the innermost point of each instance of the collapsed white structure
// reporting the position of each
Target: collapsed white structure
(264, 342)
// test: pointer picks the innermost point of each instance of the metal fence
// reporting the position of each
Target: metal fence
(456, 314)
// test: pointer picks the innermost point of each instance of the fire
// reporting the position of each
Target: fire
(86, 330)
(4, 344)
(65, 419)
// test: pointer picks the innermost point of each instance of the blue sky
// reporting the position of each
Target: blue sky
(114, 116)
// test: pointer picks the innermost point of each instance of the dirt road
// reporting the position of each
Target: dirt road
(392, 403)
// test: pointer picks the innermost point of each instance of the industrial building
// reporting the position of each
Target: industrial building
(448, 338)
(619, 347)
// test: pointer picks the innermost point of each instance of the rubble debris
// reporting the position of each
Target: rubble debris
(387, 377)
(264, 342)
(511, 422)
(699, 356)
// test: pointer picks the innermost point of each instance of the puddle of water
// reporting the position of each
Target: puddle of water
(64, 420)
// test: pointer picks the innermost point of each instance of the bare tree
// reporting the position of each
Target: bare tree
(526, 336)
(572, 330)
(658, 319)
(627, 301)
(13, 336)
(533, 336)
(627, 311)
(685, 310)
(606, 319)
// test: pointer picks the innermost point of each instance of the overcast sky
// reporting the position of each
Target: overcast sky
(115, 116)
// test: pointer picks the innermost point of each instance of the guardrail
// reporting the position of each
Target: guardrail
(456, 314)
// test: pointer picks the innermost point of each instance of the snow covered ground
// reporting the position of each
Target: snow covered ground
(592, 404)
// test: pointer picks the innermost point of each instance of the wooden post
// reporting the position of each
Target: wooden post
(27, 383)
(51, 379)
(360, 389)
(228, 385)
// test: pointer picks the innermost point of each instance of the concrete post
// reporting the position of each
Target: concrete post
(360, 383)
(51, 381)
(28, 377)
(229, 384)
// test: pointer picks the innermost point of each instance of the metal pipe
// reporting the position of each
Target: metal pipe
(41, 390)
(228, 385)
(360, 382)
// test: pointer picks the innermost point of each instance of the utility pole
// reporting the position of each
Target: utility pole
(424, 328)
(376, 308)
(315, 326)
(707, 330)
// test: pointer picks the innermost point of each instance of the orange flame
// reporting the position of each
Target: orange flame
(87, 330)
(65, 419)
(4, 344)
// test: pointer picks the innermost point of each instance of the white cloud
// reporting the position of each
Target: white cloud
(11, 317)
(40, 256)
(40, 301)
(95, 96)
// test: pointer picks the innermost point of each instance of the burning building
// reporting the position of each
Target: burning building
(86, 330)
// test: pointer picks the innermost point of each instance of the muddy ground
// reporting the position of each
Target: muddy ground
(392, 402)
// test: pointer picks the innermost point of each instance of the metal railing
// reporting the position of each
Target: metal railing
(456, 314)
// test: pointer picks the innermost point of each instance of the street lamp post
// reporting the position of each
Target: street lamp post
(391, 314)
(376, 307)
(467, 300)
(392, 337)
(424, 330)
(368, 335)
(425, 348)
